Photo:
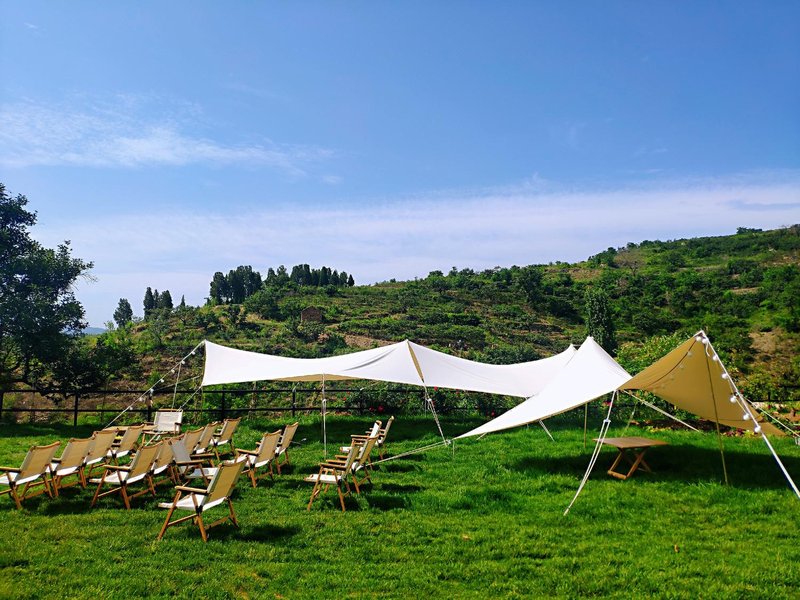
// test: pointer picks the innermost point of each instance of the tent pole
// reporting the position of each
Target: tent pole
(547, 431)
(603, 432)
(585, 422)
(716, 417)
(324, 409)
(780, 464)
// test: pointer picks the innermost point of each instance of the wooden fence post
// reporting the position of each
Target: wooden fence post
(75, 411)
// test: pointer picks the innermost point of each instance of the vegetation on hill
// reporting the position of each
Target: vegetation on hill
(742, 289)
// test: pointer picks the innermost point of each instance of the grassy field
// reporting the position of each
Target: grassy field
(484, 520)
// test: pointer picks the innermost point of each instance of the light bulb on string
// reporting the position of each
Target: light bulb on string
(733, 399)
(757, 429)
(724, 375)
(746, 416)
(698, 338)
(715, 358)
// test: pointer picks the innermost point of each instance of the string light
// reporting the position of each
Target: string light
(699, 338)
(732, 399)
(724, 375)
(757, 429)
(746, 416)
(715, 358)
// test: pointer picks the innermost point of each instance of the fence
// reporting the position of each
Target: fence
(214, 404)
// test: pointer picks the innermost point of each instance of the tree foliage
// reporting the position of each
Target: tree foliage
(40, 318)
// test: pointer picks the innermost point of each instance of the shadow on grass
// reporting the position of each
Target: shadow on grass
(679, 463)
(395, 488)
(263, 533)
(386, 502)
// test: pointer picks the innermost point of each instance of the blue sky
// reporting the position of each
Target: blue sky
(171, 140)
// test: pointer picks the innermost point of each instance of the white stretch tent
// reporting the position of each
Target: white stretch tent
(589, 374)
(404, 362)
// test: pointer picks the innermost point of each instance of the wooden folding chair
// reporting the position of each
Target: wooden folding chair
(35, 466)
(99, 452)
(71, 462)
(187, 465)
(207, 435)
(334, 473)
(283, 445)
(139, 469)
(225, 435)
(126, 444)
(167, 421)
(262, 456)
(197, 500)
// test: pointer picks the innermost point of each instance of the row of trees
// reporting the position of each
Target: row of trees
(243, 282)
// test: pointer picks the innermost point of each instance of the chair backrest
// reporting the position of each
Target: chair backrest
(168, 420)
(228, 427)
(129, 438)
(206, 436)
(355, 450)
(180, 452)
(190, 439)
(267, 446)
(165, 455)
(224, 480)
(385, 430)
(102, 443)
(75, 452)
(376, 427)
(288, 434)
(366, 449)
(37, 460)
(143, 460)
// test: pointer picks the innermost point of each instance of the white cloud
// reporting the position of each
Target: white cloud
(409, 238)
(116, 135)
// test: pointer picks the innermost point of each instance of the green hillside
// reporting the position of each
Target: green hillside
(743, 289)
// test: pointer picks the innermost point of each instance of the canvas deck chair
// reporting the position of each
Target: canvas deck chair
(164, 462)
(35, 466)
(197, 500)
(167, 421)
(262, 456)
(373, 432)
(71, 462)
(187, 465)
(334, 473)
(283, 445)
(225, 435)
(126, 444)
(139, 470)
(206, 436)
(191, 437)
(361, 463)
(98, 453)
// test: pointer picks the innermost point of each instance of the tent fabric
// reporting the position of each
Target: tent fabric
(404, 362)
(590, 373)
(693, 378)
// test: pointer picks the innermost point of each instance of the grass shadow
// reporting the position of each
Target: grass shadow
(386, 502)
(265, 533)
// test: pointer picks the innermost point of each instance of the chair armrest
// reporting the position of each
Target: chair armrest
(359, 437)
(203, 455)
(182, 463)
(250, 452)
(191, 490)
(117, 468)
(332, 465)
(11, 469)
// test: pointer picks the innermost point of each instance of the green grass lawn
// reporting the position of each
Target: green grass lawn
(484, 520)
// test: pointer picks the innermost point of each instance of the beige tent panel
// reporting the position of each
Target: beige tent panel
(693, 378)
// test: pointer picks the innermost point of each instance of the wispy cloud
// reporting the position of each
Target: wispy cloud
(407, 238)
(118, 135)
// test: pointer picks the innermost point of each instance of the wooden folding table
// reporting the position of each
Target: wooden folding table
(638, 446)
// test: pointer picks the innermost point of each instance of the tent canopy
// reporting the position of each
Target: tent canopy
(404, 362)
(693, 378)
(589, 374)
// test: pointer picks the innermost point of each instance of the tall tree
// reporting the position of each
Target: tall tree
(124, 313)
(600, 323)
(149, 302)
(165, 300)
(40, 318)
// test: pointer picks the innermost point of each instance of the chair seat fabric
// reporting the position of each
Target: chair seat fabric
(323, 478)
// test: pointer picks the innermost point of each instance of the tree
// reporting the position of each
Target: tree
(40, 318)
(600, 325)
(124, 313)
(149, 302)
(165, 300)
